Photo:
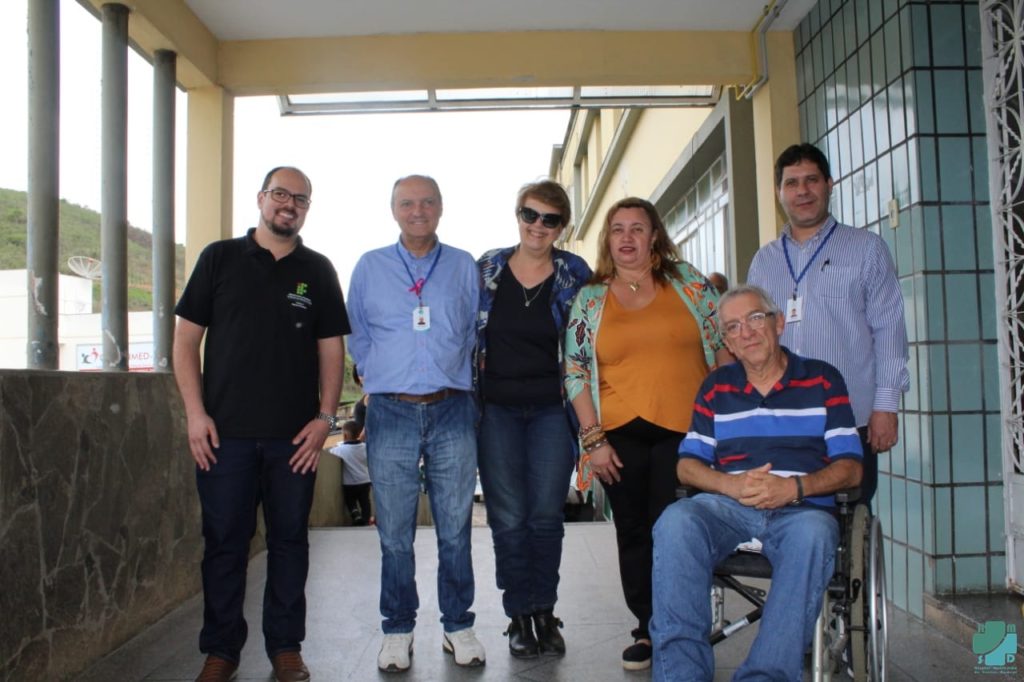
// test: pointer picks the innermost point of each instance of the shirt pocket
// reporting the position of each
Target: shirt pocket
(834, 282)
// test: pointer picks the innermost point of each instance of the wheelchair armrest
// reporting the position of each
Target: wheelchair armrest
(848, 495)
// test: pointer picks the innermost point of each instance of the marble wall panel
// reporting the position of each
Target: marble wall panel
(99, 520)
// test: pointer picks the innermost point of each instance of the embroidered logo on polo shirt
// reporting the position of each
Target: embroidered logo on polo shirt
(298, 299)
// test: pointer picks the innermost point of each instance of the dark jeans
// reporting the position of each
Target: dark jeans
(869, 481)
(248, 472)
(649, 454)
(525, 459)
(357, 502)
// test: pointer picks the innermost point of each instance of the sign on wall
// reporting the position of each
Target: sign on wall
(89, 357)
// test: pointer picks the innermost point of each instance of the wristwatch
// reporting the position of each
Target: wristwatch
(332, 421)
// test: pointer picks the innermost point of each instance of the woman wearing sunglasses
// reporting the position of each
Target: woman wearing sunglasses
(640, 340)
(527, 444)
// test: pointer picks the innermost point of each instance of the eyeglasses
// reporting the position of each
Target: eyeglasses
(754, 322)
(552, 221)
(282, 196)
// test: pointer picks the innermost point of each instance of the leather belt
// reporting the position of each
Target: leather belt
(426, 398)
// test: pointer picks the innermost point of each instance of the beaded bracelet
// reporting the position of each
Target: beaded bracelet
(588, 430)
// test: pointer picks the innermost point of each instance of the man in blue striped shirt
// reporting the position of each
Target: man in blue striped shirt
(838, 289)
(771, 439)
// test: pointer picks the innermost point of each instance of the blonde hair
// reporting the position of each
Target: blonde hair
(664, 254)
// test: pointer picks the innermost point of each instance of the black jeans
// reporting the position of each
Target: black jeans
(649, 454)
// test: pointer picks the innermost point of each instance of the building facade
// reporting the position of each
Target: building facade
(893, 92)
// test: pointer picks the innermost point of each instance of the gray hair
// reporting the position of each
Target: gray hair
(767, 304)
(425, 178)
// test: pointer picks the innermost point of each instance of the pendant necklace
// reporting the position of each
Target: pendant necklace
(527, 300)
(634, 285)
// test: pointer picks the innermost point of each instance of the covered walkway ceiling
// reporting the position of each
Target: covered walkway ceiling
(316, 47)
(270, 19)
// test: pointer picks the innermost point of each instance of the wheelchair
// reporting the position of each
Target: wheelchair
(851, 633)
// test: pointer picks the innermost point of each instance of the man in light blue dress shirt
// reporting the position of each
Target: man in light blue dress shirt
(412, 307)
(837, 287)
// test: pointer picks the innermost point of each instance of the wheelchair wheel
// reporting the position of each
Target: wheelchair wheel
(878, 608)
(869, 615)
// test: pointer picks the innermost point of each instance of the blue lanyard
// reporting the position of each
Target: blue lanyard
(789, 263)
(418, 284)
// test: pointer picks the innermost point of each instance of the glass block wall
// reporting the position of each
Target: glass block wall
(892, 91)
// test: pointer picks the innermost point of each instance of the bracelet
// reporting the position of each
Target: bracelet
(588, 430)
(594, 446)
(799, 491)
(594, 438)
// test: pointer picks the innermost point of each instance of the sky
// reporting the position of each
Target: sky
(479, 159)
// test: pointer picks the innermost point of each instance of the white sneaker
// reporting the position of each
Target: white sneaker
(465, 646)
(395, 652)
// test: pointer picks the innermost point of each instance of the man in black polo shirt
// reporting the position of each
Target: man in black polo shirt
(273, 315)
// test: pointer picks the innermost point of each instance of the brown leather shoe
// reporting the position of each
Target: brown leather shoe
(288, 667)
(217, 670)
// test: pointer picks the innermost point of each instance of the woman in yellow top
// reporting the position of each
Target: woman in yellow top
(641, 338)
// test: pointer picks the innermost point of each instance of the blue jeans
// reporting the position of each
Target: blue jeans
(250, 471)
(444, 435)
(692, 536)
(526, 456)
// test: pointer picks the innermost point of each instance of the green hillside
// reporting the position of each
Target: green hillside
(80, 236)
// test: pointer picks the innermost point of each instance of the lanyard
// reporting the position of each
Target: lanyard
(789, 263)
(418, 284)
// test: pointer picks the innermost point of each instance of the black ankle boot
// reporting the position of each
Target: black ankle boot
(521, 642)
(549, 639)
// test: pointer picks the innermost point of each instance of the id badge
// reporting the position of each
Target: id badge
(794, 309)
(421, 318)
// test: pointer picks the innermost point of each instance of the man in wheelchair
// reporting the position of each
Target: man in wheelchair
(772, 438)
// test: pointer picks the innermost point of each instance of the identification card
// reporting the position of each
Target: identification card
(421, 318)
(794, 309)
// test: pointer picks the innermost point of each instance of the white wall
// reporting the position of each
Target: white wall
(78, 328)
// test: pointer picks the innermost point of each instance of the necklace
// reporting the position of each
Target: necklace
(634, 285)
(527, 300)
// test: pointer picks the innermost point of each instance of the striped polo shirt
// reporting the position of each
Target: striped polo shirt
(801, 426)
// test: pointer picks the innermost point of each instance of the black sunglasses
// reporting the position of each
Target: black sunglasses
(552, 221)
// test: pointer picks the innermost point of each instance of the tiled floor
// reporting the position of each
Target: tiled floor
(343, 624)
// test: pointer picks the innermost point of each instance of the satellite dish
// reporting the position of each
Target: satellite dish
(87, 267)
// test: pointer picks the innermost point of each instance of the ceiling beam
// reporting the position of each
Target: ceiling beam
(467, 60)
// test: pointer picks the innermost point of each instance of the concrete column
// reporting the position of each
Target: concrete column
(742, 168)
(776, 126)
(114, 188)
(164, 69)
(43, 181)
(211, 132)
